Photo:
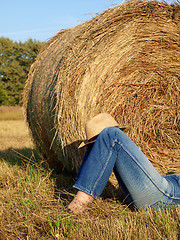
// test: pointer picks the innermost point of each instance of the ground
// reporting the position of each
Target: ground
(34, 200)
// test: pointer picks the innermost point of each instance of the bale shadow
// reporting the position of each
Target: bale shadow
(18, 156)
(63, 180)
(110, 191)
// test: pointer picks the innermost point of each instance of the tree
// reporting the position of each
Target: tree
(3, 96)
(15, 61)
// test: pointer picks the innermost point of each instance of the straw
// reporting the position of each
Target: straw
(126, 62)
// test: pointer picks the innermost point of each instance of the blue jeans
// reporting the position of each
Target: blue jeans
(142, 185)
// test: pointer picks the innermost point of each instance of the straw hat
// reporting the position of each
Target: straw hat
(96, 125)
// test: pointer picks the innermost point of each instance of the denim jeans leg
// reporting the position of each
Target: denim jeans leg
(136, 175)
(96, 167)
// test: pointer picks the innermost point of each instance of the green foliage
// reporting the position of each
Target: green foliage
(3, 96)
(15, 61)
(62, 225)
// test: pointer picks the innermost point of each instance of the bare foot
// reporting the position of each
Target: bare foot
(80, 202)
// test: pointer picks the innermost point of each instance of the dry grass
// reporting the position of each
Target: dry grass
(14, 134)
(126, 62)
(33, 203)
(13, 130)
(32, 209)
(11, 113)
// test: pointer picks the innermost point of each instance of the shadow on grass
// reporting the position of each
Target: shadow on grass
(18, 156)
(28, 156)
(63, 181)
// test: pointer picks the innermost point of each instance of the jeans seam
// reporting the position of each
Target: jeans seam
(134, 159)
(103, 170)
(83, 189)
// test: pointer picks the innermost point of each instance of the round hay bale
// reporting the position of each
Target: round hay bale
(125, 62)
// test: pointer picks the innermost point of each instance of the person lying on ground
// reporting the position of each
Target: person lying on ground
(110, 149)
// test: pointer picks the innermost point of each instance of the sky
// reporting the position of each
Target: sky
(42, 19)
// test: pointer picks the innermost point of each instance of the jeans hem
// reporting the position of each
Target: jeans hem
(85, 190)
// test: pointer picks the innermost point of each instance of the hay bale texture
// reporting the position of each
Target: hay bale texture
(125, 61)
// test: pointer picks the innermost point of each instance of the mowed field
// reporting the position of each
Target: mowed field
(33, 200)
(13, 129)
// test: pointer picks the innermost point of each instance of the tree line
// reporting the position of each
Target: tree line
(15, 61)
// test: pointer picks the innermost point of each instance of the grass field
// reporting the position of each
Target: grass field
(33, 200)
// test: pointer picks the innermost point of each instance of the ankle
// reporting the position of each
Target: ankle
(80, 202)
(83, 197)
